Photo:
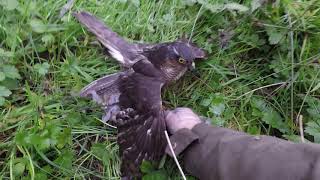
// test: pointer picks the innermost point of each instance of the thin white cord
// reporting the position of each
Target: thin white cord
(174, 156)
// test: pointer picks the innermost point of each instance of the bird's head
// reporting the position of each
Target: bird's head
(175, 58)
(185, 53)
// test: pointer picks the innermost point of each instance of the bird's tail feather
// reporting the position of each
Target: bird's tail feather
(118, 48)
(105, 91)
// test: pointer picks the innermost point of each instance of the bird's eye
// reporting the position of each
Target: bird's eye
(181, 60)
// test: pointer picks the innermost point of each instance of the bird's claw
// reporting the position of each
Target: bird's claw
(126, 114)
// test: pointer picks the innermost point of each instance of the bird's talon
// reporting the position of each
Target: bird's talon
(128, 110)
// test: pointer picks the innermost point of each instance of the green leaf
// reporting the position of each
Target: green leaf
(316, 87)
(189, 2)
(4, 53)
(214, 8)
(65, 159)
(313, 128)
(5, 92)
(42, 69)
(274, 36)
(205, 102)
(10, 83)
(190, 177)
(2, 76)
(41, 142)
(22, 138)
(218, 121)
(259, 104)
(9, 4)
(41, 176)
(73, 118)
(217, 109)
(99, 150)
(2, 100)
(19, 168)
(136, 3)
(253, 130)
(256, 112)
(39, 27)
(274, 119)
(268, 115)
(168, 18)
(156, 175)
(48, 169)
(314, 107)
(64, 137)
(11, 72)
(314, 113)
(146, 167)
(47, 39)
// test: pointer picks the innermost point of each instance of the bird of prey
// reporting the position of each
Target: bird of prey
(132, 98)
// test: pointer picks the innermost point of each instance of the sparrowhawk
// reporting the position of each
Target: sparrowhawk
(135, 92)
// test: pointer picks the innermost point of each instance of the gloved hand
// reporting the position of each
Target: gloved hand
(180, 118)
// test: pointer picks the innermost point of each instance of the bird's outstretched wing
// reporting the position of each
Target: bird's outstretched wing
(105, 91)
(121, 50)
(135, 99)
(141, 133)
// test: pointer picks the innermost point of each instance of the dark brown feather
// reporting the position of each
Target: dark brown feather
(125, 53)
(141, 136)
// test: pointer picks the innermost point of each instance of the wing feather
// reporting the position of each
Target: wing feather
(141, 136)
(125, 53)
(142, 140)
(105, 91)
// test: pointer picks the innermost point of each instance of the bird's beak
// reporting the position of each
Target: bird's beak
(192, 66)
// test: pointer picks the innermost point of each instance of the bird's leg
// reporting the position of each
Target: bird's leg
(125, 115)
(111, 107)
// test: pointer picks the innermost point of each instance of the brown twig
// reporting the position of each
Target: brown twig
(301, 128)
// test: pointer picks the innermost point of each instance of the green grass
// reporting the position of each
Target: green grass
(263, 78)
